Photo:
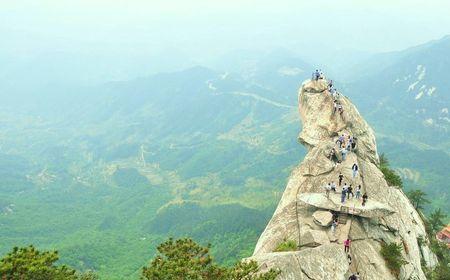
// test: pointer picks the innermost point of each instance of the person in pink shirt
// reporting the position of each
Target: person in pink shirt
(347, 245)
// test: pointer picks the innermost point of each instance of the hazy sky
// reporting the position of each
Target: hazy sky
(205, 28)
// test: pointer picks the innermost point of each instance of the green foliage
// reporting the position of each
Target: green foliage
(88, 275)
(248, 271)
(442, 270)
(417, 198)
(433, 224)
(392, 254)
(286, 245)
(184, 259)
(392, 178)
(436, 220)
(29, 263)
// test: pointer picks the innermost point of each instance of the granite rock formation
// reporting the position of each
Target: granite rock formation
(388, 216)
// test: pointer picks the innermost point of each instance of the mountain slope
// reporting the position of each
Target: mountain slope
(108, 163)
(407, 101)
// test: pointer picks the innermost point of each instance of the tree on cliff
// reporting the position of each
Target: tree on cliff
(436, 220)
(29, 263)
(185, 259)
(392, 178)
(417, 198)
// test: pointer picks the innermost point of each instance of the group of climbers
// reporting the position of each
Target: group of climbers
(348, 190)
(317, 75)
(337, 105)
(330, 187)
(345, 144)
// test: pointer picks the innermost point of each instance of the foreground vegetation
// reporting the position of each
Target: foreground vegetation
(176, 260)
(28, 263)
(185, 259)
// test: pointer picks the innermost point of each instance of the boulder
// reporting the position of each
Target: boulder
(314, 238)
(323, 218)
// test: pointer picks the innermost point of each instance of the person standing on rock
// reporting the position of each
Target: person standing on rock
(364, 199)
(332, 92)
(355, 170)
(358, 192)
(350, 191)
(327, 190)
(354, 143)
(350, 142)
(341, 140)
(341, 110)
(341, 177)
(347, 245)
(344, 153)
(334, 107)
(334, 225)
(349, 147)
(316, 75)
(343, 193)
(336, 95)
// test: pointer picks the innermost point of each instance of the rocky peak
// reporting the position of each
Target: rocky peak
(320, 124)
(303, 213)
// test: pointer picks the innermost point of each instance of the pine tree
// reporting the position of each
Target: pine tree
(28, 263)
(417, 198)
(436, 220)
(184, 259)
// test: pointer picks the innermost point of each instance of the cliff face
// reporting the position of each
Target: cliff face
(304, 213)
